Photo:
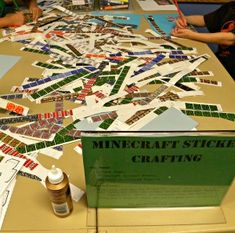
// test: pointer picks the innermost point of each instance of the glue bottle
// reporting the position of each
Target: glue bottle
(57, 184)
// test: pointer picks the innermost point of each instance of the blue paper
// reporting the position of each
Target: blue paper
(6, 63)
(171, 119)
(163, 22)
(86, 125)
(133, 20)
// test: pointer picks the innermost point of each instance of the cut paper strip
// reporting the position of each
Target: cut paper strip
(121, 18)
(6, 63)
(170, 120)
(13, 107)
(163, 22)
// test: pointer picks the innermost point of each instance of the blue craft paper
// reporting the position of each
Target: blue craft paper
(163, 22)
(134, 19)
(6, 63)
(85, 125)
(171, 119)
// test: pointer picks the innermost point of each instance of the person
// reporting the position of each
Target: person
(18, 17)
(221, 26)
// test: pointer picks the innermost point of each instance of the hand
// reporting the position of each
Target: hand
(181, 22)
(16, 19)
(36, 12)
(183, 33)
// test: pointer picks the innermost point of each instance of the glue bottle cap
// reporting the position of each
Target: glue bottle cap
(55, 175)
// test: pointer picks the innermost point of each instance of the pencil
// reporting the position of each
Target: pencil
(115, 7)
(178, 9)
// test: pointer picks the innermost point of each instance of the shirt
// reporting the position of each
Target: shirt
(2, 8)
(223, 20)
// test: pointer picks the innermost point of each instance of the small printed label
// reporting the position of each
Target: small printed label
(78, 2)
(60, 209)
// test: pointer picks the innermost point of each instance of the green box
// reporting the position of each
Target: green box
(157, 170)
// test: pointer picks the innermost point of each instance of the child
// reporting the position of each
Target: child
(221, 27)
(18, 18)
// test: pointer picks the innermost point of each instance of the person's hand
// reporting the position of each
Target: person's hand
(36, 12)
(16, 19)
(183, 33)
(181, 22)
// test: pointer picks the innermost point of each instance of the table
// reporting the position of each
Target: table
(30, 209)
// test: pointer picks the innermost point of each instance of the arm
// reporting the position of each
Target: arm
(16, 19)
(196, 20)
(223, 38)
(4, 22)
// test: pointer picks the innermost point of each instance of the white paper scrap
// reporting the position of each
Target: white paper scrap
(5, 200)
(9, 167)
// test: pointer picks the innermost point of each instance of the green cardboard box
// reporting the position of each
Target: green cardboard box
(158, 170)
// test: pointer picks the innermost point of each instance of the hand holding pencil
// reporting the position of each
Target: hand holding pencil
(181, 21)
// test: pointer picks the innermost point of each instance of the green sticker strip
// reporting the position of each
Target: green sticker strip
(61, 137)
(35, 51)
(112, 72)
(59, 48)
(160, 110)
(60, 62)
(224, 115)
(47, 65)
(156, 82)
(77, 89)
(188, 79)
(106, 123)
(201, 107)
(120, 80)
